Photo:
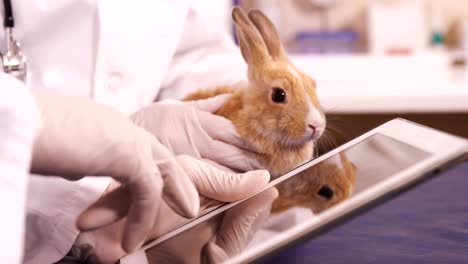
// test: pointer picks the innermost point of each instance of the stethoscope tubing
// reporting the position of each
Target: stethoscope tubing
(8, 20)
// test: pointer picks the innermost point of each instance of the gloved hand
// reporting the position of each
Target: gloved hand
(219, 238)
(213, 185)
(191, 128)
(82, 138)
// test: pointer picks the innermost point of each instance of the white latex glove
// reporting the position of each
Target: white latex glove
(81, 138)
(213, 185)
(191, 128)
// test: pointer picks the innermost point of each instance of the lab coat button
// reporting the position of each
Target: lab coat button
(114, 82)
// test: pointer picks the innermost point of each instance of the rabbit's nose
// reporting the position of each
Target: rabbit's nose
(317, 131)
(313, 128)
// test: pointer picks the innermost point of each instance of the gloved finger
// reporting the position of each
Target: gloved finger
(230, 156)
(139, 200)
(108, 209)
(242, 221)
(142, 214)
(221, 185)
(115, 204)
(179, 192)
(211, 104)
(220, 128)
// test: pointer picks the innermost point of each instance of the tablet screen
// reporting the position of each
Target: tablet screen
(295, 200)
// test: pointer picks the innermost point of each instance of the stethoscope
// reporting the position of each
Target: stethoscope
(13, 59)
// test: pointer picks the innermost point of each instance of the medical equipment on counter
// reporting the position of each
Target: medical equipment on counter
(13, 60)
(397, 28)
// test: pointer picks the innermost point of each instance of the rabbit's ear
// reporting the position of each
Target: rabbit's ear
(269, 34)
(252, 46)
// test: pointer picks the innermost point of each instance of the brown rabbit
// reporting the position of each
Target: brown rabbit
(318, 187)
(278, 113)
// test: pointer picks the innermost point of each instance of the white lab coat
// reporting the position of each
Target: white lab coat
(18, 126)
(122, 53)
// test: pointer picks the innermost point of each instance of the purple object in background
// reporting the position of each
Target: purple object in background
(324, 42)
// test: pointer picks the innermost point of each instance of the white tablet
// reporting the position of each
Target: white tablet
(311, 198)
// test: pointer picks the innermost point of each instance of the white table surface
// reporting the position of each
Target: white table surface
(421, 83)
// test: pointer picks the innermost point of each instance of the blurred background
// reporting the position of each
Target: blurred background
(375, 60)
(365, 26)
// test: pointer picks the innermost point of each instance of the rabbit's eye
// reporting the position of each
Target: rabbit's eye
(278, 95)
(325, 192)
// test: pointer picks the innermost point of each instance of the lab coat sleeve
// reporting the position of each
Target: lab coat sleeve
(206, 56)
(18, 126)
